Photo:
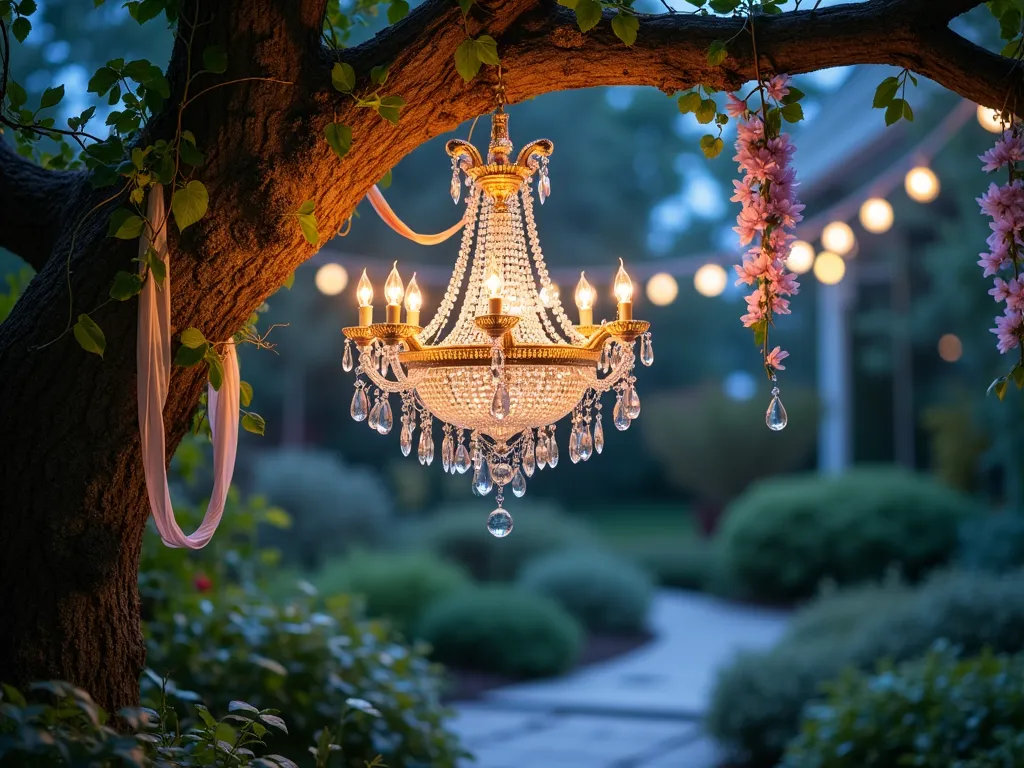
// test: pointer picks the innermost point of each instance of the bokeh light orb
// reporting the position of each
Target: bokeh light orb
(950, 348)
(801, 257)
(549, 294)
(829, 268)
(710, 280)
(990, 119)
(922, 184)
(876, 215)
(331, 279)
(838, 238)
(662, 289)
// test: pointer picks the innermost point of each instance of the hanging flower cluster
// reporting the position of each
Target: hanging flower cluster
(770, 209)
(1005, 205)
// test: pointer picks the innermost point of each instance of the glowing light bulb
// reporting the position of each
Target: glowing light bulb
(838, 238)
(495, 284)
(876, 215)
(364, 291)
(331, 279)
(623, 286)
(801, 257)
(662, 289)
(710, 280)
(413, 297)
(991, 120)
(829, 268)
(584, 293)
(393, 287)
(922, 184)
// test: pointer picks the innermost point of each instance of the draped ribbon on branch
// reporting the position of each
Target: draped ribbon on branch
(389, 217)
(153, 358)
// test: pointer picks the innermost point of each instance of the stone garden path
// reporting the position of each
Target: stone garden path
(640, 710)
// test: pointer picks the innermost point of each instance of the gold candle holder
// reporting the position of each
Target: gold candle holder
(393, 314)
(625, 310)
(412, 317)
(494, 305)
(366, 316)
(586, 316)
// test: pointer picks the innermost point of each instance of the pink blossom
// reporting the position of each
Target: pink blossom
(775, 358)
(1007, 150)
(1007, 330)
(734, 107)
(778, 87)
(992, 263)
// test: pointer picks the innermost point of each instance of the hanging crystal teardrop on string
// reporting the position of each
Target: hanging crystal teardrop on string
(519, 484)
(529, 460)
(544, 184)
(619, 415)
(360, 405)
(405, 440)
(347, 362)
(542, 450)
(500, 403)
(647, 350)
(446, 453)
(603, 363)
(462, 460)
(598, 435)
(374, 419)
(456, 188)
(586, 443)
(776, 417)
(574, 445)
(482, 481)
(633, 403)
(384, 418)
(383, 364)
(499, 522)
(552, 449)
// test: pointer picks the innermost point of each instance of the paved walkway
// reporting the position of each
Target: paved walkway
(641, 710)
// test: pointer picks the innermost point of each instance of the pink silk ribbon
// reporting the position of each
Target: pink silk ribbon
(380, 205)
(153, 359)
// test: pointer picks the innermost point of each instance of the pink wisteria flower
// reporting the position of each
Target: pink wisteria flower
(775, 358)
(734, 107)
(1007, 150)
(778, 87)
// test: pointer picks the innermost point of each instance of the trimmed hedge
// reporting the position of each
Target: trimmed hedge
(992, 543)
(786, 536)
(688, 564)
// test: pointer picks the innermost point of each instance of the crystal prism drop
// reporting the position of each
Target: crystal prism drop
(603, 363)
(360, 405)
(405, 441)
(384, 418)
(519, 484)
(374, 419)
(383, 364)
(647, 351)
(633, 403)
(482, 482)
(456, 188)
(776, 417)
(501, 473)
(462, 461)
(574, 446)
(500, 404)
(346, 359)
(619, 415)
(446, 453)
(529, 461)
(553, 453)
(424, 446)
(542, 451)
(599, 435)
(586, 443)
(499, 523)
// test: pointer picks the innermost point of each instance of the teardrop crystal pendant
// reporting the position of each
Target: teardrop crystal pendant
(553, 451)
(383, 364)
(619, 415)
(574, 446)
(776, 417)
(424, 448)
(346, 359)
(633, 403)
(462, 461)
(500, 403)
(544, 184)
(599, 435)
(482, 482)
(586, 443)
(384, 418)
(447, 453)
(647, 350)
(374, 419)
(529, 460)
(360, 405)
(519, 484)
(542, 451)
(456, 188)
(405, 441)
(499, 523)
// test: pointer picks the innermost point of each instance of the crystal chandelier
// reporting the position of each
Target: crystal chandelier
(500, 362)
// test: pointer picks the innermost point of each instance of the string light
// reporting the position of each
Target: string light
(876, 215)
(950, 348)
(838, 238)
(710, 280)
(662, 289)
(990, 119)
(801, 257)
(829, 268)
(331, 279)
(922, 184)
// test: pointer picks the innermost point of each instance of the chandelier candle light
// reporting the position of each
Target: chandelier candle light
(500, 362)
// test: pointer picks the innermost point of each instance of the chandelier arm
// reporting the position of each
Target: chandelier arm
(542, 147)
(368, 364)
(460, 148)
(619, 372)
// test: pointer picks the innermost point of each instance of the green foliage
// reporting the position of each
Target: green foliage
(16, 285)
(604, 593)
(334, 506)
(625, 25)
(89, 335)
(502, 630)
(457, 534)
(189, 203)
(994, 543)
(784, 537)
(896, 107)
(473, 53)
(339, 137)
(937, 710)
(398, 587)
(685, 564)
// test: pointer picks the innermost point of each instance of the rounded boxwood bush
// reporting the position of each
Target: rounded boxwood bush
(784, 537)
(937, 710)
(992, 543)
(604, 593)
(690, 564)
(502, 630)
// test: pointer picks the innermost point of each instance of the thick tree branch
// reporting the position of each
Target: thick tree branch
(33, 201)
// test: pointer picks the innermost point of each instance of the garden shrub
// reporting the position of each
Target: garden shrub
(397, 586)
(935, 711)
(459, 534)
(992, 543)
(757, 700)
(606, 594)
(690, 564)
(334, 507)
(785, 536)
(502, 630)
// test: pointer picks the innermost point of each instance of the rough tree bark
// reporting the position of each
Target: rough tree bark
(74, 505)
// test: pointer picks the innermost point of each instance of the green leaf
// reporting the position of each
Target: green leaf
(125, 225)
(343, 77)
(189, 204)
(192, 338)
(215, 59)
(289, 281)
(706, 111)
(487, 50)
(717, 53)
(689, 102)
(397, 11)
(794, 95)
(711, 146)
(1017, 374)
(467, 60)
(21, 27)
(156, 265)
(725, 6)
(102, 80)
(16, 94)
(385, 180)
(568, 3)
(894, 111)
(588, 13)
(206, 717)
(26, 7)
(308, 225)
(998, 387)
(908, 113)
(625, 26)
(189, 154)
(89, 335)
(339, 137)
(253, 422)
(465, 5)
(379, 74)
(51, 97)
(792, 113)
(189, 356)
(390, 108)
(216, 372)
(307, 207)
(885, 92)
(126, 285)
(146, 10)
(244, 393)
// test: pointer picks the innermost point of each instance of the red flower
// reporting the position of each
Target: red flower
(203, 583)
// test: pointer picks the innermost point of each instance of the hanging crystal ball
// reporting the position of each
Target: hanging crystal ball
(499, 523)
